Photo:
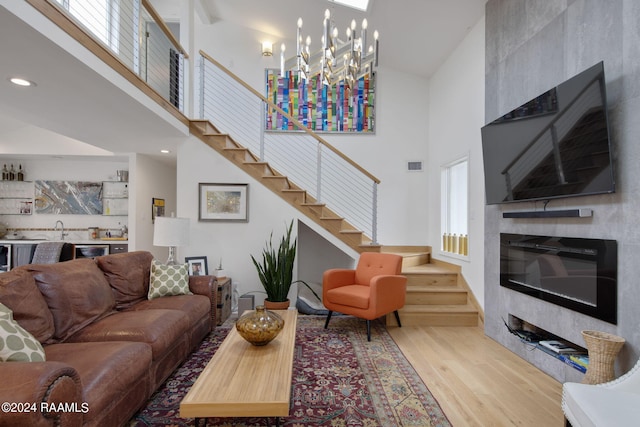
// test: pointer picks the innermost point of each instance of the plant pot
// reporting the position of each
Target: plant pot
(276, 305)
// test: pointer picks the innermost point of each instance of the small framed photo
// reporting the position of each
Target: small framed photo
(223, 202)
(197, 265)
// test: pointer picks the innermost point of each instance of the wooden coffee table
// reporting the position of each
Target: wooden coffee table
(242, 380)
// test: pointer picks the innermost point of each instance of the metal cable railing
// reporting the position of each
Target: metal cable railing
(304, 157)
(135, 34)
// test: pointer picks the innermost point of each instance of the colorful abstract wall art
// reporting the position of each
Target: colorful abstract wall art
(335, 108)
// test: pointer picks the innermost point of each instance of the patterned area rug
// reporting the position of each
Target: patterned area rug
(339, 379)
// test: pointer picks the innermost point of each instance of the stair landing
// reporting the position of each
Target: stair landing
(435, 294)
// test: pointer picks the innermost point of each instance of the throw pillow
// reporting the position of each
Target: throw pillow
(167, 280)
(16, 344)
(128, 274)
(76, 292)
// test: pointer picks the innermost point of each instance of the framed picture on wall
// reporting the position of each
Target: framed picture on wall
(197, 265)
(223, 202)
(157, 208)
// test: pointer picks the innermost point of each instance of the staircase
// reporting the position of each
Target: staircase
(436, 292)
(282, 186)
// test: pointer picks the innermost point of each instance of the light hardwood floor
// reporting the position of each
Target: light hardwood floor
(478, 382)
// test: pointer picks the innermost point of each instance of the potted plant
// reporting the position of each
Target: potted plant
(276, 270)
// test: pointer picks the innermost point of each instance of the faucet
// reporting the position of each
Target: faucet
(62, 233)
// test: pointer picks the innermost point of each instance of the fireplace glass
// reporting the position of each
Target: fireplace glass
(576, 273)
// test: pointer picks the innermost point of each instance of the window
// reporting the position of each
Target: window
(455, 197)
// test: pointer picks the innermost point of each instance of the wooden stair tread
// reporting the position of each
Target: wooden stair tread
(407, 254)
(440, 308)
(435, 289)
(428, 269)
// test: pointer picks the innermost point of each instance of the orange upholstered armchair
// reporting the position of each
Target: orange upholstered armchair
(373, 289)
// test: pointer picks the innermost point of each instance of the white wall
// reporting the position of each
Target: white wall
(152, 179)
(456, 114)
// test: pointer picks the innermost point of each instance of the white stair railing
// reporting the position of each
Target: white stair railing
(138, 37)
(303, 156)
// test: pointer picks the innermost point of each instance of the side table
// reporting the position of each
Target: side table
(603, 350)
(224, 300)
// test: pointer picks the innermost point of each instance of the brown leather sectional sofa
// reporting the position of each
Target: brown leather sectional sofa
(108, 347)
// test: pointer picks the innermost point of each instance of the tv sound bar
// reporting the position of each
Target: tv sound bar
(564, 213)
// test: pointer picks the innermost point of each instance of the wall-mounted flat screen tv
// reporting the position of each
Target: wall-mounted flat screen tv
(555, 145)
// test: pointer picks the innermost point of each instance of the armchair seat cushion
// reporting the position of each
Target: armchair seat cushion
(357, 296)
(600, 406)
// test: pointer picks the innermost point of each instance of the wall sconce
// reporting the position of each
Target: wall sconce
(267, 48)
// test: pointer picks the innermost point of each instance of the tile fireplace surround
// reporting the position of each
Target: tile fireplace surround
(531, 47)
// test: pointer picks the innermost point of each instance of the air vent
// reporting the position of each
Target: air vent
(414, 166)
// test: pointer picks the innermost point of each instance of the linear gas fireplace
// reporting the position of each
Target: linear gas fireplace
(579, 274)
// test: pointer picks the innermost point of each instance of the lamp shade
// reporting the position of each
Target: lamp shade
(171, 231)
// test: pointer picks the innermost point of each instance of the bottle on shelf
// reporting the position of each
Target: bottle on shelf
(20, 173)
(5, 173)
(12, 173)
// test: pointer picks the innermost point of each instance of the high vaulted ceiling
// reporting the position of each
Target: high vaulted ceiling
(416, 36)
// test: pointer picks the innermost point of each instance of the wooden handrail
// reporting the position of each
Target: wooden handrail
(167, 32)
(290, 118)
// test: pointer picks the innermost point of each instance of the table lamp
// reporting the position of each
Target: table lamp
(171, 232)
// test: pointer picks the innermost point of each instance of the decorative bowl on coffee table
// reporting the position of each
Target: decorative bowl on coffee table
(259, 327)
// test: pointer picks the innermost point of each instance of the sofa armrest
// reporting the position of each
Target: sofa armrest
(40, 393)
(207, 286)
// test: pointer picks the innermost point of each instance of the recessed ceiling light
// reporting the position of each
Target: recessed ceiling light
(165, 151)
(355, 4)
(21, 82)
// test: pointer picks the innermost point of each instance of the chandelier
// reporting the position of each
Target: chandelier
(337, 60)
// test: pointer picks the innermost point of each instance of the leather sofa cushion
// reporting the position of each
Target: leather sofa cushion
(76, 292)
(107, 370)
(19, 292)
(195, 307)
(128, 275)
(161, 329)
